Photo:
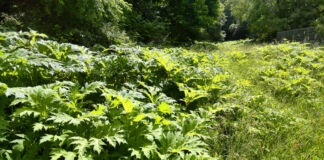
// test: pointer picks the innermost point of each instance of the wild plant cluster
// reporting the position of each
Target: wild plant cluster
(280, 89)
(233, 101)
(66, 101)
(293, 72)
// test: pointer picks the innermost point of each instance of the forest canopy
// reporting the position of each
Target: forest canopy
(109, 22)
(265, 18)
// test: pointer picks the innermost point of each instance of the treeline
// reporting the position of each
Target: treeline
(264, 18)
(90, 22)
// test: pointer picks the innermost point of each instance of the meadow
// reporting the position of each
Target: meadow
(230, 100)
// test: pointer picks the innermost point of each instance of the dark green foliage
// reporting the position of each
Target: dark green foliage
(81, 22)
(265, 19)
(147, 22)
(233, 29)
(195, 20)
(177, 21)
(109, 22)
(320, 25)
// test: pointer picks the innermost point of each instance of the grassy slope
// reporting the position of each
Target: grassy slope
(297, 134)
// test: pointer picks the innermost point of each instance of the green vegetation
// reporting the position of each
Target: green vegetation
(280, 89)
(64, 100)
(232, 100)
(265, 18)
(176, 21)
(83, 22)
(151, 80)
(109, 22)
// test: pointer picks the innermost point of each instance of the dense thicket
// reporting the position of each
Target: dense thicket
(232, 29)
(178, 21)
(82, 22)
(266, 18)
(104, 21)
(108, 22)
(197, 20)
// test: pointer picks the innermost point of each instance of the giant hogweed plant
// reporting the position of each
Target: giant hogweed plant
(278, 91)
(56, 120)
(293, 70)
(63, 101)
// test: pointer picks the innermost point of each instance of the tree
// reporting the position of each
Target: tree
(177, 21)
(195, 19)
(266, 18)
(82, 22)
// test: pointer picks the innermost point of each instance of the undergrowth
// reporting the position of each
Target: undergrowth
(233, 100)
